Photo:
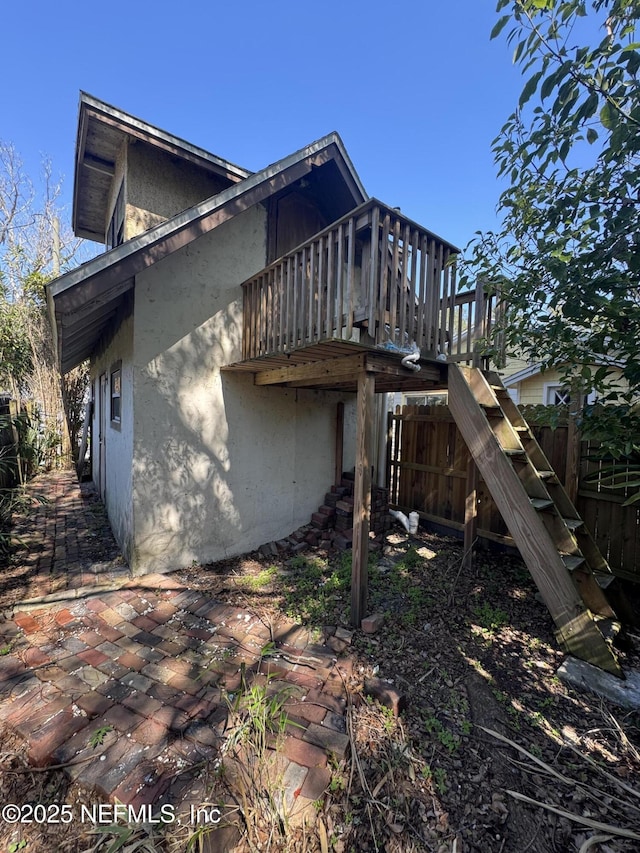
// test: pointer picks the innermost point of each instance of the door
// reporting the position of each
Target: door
(102, 435)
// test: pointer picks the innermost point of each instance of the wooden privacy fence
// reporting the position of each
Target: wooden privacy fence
(427, 469)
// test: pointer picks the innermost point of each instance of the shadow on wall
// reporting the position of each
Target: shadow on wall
(181, 463)
(221, 466)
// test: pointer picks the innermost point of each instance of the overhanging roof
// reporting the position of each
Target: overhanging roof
(521, 375)
(102, 129)
(83, 302)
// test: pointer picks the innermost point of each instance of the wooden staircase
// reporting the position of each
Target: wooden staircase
(558, 550)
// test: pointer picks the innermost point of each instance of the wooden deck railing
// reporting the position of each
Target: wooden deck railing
(373, 276)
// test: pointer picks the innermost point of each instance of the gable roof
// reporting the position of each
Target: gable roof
(101, 131)
(84, 301)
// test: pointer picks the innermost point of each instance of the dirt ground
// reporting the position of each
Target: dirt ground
(491, 752)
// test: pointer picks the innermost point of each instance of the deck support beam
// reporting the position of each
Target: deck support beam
(362, 495)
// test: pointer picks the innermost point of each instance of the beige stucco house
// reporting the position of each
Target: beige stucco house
(192, 463)
(212, 275)
(238, 329)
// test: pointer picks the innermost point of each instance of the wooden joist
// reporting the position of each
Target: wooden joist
(342, 372)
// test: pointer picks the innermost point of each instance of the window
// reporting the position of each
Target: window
(556, 395)
(429, 399)
(116, 393)
(115, 231)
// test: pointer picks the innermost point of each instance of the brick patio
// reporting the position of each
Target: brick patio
(149, 662)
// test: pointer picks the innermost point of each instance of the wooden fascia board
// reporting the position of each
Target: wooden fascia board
(70, 319)
(349, 175)
(166, 142)
(343, 371)
(85, 328)
(80, 150)
(382, 364)
(316, 372)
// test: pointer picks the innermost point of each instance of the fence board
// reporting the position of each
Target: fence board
(427, 471)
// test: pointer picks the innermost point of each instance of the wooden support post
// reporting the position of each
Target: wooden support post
(362, 496)
(339, 442)
(572, 469)
(470, 512)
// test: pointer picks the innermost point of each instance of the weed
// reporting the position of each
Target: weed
(336, 785)
(134, 838)
(17, 845)
(412, 559)
(257, 723)
(437, 777)
(446, 738)
(261, 580)
(97, 738)
(500, 696)
(440, 779)
(261, 716)
(388, 719)
(490, 618)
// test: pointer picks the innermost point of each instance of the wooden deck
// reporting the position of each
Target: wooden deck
(334, 365)
(340, 312)
(373, 277)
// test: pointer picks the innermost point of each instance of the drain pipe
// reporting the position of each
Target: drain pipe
(409, 361)
(410, 524)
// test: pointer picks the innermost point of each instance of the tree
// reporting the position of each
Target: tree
(33, 249)
(567, 256)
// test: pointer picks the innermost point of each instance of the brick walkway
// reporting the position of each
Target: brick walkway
(151, 664)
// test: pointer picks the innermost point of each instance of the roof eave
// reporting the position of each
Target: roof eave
(107, 277)
(93, 108)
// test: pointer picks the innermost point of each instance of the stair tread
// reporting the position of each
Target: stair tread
(514, 451)
(545, 475)
(541, 503)
(609, 628)
(573, 523)
(604, 581)
(572, 561)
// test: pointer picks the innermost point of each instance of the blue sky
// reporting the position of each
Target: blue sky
(417, 91)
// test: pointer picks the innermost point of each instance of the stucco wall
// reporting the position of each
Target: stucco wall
(159, 186)
(220, 466)
(118, 438)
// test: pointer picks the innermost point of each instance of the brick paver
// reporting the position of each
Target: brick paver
(126, 679)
